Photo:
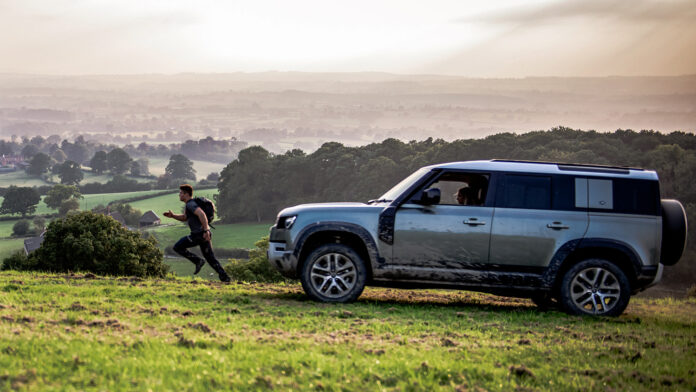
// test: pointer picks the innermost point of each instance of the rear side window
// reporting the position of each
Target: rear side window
(636, 197)
(529, 192)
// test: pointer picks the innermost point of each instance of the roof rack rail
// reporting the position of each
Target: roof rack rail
(578, 166)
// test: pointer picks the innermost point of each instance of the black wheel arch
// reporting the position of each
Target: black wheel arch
(353, 235)
(575, 251)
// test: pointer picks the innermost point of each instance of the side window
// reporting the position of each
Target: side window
(637, 197)
(461, 188)
(529, 192)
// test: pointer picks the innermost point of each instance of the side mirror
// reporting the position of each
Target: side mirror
(430, 196)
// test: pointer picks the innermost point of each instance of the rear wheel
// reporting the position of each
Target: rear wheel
(333, 273)
(595, 287)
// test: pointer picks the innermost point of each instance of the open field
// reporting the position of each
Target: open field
(202, 168)
(20, 178)
(163, 203)
(9, 246)
(90, 201)
(238, 235)
(6, 228)
(121, 334)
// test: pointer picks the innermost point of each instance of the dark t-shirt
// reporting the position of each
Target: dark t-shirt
(192, 219)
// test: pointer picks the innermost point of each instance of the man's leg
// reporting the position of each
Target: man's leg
(207, 250)
(181, 247)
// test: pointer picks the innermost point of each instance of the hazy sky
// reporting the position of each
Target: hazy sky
(470, 38)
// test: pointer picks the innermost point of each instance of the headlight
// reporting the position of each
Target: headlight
(286, 222)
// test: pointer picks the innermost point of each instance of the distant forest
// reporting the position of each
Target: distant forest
(257, 185)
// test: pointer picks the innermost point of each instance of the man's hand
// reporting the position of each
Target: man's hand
(206, 235)
(169, 214)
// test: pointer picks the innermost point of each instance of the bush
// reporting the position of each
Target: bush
(257, 268)
(20, 228)
(90, 242)
(17, 261)
(130, 215)
(691, 292)
(66, 206)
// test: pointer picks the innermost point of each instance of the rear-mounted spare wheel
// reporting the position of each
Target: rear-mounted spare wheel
(674, 228)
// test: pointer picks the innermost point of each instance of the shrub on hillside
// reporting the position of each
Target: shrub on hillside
(17, 261)
(257, 268)
(90, 242)
(20, 228)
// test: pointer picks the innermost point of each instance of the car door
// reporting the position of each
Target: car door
(439, 241)
(534, 216)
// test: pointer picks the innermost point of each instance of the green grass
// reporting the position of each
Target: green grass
(20, 178)
(74, 332)
(203, 168)
(6, 228)
(90, 201)
(239, 235)
(184, 268)
(160, 204)
(9, 246)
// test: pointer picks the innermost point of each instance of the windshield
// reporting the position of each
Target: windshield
(401, 187)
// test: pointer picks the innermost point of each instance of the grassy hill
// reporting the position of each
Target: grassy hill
(121, 334)
(163, 203)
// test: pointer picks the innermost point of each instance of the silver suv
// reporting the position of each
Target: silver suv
(580, 236)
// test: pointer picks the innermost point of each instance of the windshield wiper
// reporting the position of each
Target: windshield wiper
(378, 201)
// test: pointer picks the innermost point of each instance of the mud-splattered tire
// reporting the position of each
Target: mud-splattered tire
(595, 287)
(333, 273)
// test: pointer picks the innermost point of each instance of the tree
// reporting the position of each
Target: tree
(6, 148)
(70, 173)
(180, 167)
(135, 169)
(213, 176)
(59, 156)
(98, 163)
(118, 161)
(20, 228)
(60, 193)
(144, 164)
(86, 241)
(29, 151)
(39, 164)
(68, 205)
(130, 215)
(20, 200)
(39, 224)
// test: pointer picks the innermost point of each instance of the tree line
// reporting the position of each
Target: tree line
(258, 184)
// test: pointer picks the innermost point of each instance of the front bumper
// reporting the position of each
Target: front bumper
(281, 259)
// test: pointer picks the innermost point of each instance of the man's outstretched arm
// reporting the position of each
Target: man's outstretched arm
(182, 217)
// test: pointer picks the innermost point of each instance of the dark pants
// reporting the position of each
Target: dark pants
(181, 247)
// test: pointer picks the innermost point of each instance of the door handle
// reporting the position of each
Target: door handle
(473, 222)
(557, 226)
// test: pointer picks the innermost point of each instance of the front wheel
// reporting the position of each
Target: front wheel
(595, 287)
(333, 273)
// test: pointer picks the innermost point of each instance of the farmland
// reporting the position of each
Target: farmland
(90, 201)
(92, 333)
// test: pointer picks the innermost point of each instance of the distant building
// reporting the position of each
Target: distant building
(149, 219)
(11, 160)
(33, 243)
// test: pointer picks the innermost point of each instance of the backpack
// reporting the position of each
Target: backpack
(207, 206)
